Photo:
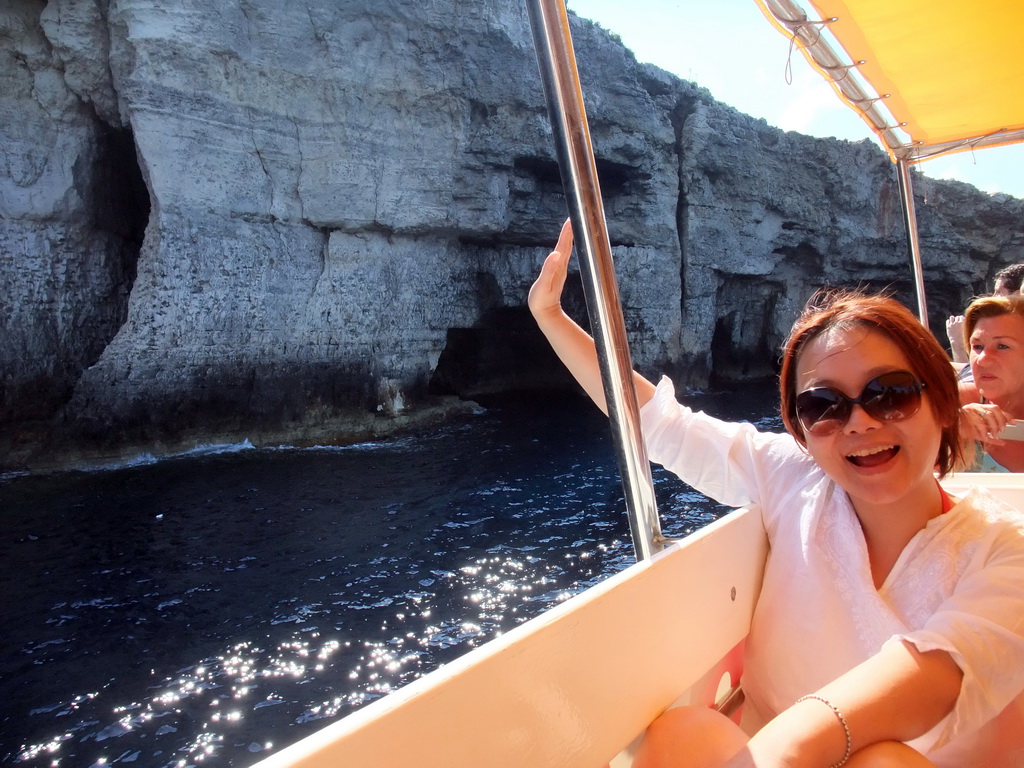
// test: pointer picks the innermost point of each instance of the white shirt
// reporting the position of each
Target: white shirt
(958, 585)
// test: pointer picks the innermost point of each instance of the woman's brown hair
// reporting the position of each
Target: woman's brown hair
(831, 309)
(990, 306)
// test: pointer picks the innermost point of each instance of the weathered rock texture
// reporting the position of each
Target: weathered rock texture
(284, 220)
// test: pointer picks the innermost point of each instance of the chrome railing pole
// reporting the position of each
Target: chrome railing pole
(557, 61)
(913, 240)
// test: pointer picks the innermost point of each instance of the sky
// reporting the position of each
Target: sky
(747, 70)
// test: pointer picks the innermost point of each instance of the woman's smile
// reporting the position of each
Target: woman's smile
(873, 457)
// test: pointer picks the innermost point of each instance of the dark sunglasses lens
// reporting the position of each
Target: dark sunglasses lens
(892, 396)
(889, 397)
(822, 411)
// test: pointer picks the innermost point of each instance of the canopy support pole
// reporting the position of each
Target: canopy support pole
(557, 61)
(913, 241)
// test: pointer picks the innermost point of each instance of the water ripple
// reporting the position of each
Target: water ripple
(210, 609)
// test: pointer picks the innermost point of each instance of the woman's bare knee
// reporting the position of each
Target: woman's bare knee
(689, 737)
(889, 754)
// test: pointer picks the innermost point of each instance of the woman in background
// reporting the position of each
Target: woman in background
(994, 334)
(1008, 281)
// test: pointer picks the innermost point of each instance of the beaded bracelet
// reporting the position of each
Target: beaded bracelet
(842, 722)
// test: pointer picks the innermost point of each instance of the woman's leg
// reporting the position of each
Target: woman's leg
(689, 737)
(888, 754)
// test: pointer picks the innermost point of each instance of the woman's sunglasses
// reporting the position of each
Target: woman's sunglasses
(889, 397)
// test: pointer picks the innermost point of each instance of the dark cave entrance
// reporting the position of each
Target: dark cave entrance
(504, 354)
(737, 358)
(120, 197)
(98, 267)
(119, 204)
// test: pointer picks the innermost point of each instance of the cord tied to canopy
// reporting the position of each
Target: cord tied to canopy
(796, 26)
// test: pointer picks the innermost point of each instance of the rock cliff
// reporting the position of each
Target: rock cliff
(283, 220)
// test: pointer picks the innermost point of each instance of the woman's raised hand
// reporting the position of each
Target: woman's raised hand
(573, 345)
(955, 334)
(546, 292)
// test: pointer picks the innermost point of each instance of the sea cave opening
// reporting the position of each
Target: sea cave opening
(503, 356)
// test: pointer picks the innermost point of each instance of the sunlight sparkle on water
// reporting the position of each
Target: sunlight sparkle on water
(493, 586)
(351, 615)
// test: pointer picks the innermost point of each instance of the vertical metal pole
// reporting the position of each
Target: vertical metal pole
(913, 241)
(557, 61)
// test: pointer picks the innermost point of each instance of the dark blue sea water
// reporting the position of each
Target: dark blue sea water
(208, 609)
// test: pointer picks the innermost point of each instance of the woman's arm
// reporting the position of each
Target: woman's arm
(897, 695)
(574, 346)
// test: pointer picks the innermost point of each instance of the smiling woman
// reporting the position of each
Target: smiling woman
(995, 326)
(868, 553)
(882, 457)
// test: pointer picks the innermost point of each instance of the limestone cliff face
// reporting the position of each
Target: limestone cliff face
(279, 220)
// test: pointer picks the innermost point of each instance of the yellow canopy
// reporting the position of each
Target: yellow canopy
(928, 76)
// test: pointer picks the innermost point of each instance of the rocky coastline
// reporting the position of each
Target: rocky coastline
(286, 222)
